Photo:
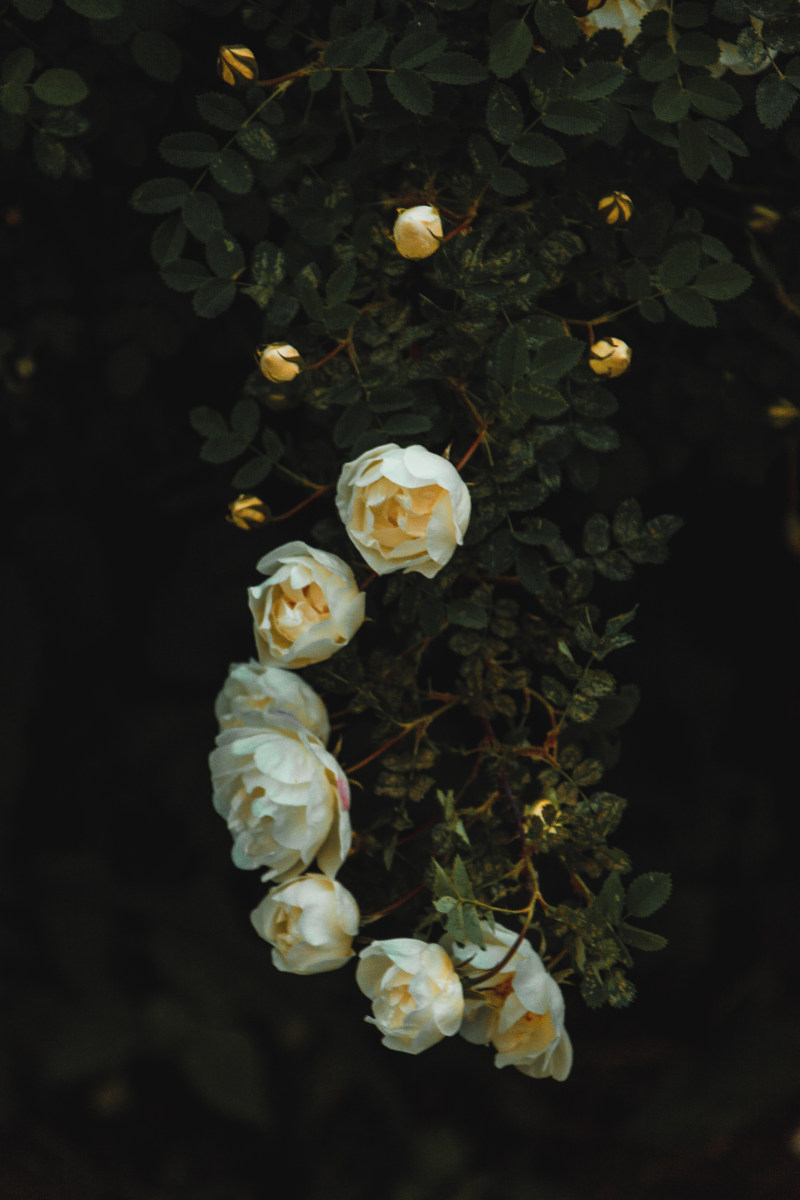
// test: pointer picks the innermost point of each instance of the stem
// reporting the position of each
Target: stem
(424, 720)
(303, 503)
(376, 916)
(469, 453)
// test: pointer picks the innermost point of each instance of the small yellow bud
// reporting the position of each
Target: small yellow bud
(616, 208)
(610, 357)
(245, 512)
(280, 362)
(762, 219)
(417, 231)
(782, 413)
(237, 66)
(25, 367)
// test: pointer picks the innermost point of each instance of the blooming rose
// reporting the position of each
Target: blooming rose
(285, 798)
(404, 509)
(310, 922)
(253, 692)
(417, 231)
(416, 995)
(520, 1010)
(307, 608)
(624, 15)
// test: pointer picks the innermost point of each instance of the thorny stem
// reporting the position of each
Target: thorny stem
(424, 721)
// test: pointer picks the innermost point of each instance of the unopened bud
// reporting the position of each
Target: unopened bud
(417, 231)
(245, 512)
(782, 413)
(610, 357)
(280, 362)
(762, 219)
(616, 208)
(236, 65)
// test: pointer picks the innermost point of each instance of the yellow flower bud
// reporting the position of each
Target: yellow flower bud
(237, 66)
(610, 357)
(762, 219)
(245, 512)
(615, 208)
(280, 362)
(417, 231)
(782, 413)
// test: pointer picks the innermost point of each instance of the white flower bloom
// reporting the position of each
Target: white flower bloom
(405, 510)
(520, 1010)
(285, 798)
(253, 692)
(307, 608)
(310, 922)
(279, 362)
(624, 15)
(610, 357)
(417, 231)
(416, 995)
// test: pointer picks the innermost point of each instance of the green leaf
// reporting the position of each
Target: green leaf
(59, 85)
(356, 419)
(319, 79)
(358, 86)
(775, 99)
(222, 448)
(596, 534)
(679, 265)
(596, 80)
(168, 240)
(504, 114)
(555, 358)
(532, 570)
(697, 49)
(641, 939)
(511, 360)
(713, 97)
(694, 154)
(723, 281)
(690, 15)
(202, 216)
(404, 424)
(188, 149)
(725, 137)
(97, 10)
(468, 614)
(256, 141)
(508, 182)
(341, 283)
(537, 150)
(50, 155)
(628, 521)
(611, 898)
(670, 100)
(214, 297)
(33, 10)
(456, 68)
(510, 48)
(224, 254)
(15, 98)
(595, 435)
(482, 153)
(253, 472)
(647, 893)
(184, 275)
(18, 65)
(208, 422)
(691, 307)
(357, 49)
(160, 195)
(540, 401)
(573, 117)
(157, 55)
(659, 62)
(412, 91)
(557, 23)
(244, 419)
(232, 172)
(225, 112)
(416, 49)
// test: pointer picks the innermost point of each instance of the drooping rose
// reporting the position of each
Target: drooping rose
(310, 922)
(308, 607)
(520, 1010)
(416, 995)
(253, 692)
(284, 797)
(405, 510)
(417, 231)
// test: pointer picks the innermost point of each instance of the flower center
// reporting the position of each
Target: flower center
(295, 608)
(404, 513)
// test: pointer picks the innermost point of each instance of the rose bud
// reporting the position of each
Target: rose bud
(237, 66)
(417, 231)
(245, 512)
(616, 208)
(280, 362)
(762, 219)
(611, 357)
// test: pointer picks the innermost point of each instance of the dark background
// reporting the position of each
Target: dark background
(149, 1048)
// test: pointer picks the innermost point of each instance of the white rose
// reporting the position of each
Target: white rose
(417, 998)
(520, 1010)
(280, 362)
(253, 692)
(307, 608)
(624, 15)
(310, 922)
(405, 510)
(285, 798)
(417, 231)
(610, 357)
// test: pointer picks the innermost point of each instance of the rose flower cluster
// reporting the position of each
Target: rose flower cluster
(286, 799)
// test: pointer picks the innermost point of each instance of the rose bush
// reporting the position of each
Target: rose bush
(308, 607)
(520, 1010)
(310, 922)
(404, 509)
(284, 797)
(253, 692)
(416, 995)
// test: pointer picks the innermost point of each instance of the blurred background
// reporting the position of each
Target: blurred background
(148, 1049)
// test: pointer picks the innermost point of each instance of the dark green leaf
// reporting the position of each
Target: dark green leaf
(225, 112)
(404, 424)
(253, 472)
(775, 99)
(208, 422)
(222, 448)
(540, 401)
(694, 154)
(679, 265)
(510, 48)
(33, 10)
(691, 307)
(504, 114)
(573, 117)
(416, 49)
(319, 79)
(697, 49)
(224, 254)
(214, 297)
(157, 55)
(355, 419)
(168, 240)
(244, 419)
(160, 195)
(468, 614)
(15, 98)
(723, 281)
(532, 570)
(358, 86)
(594, 435)
(341, 283)
(648, 893)
(713, 97)
(456, 68)
(482, 153)
(97, 10)
(256, 141)
(184, 275)
(596, 80)
(59, 85)
(596, 534)
(188, 149)
(557, 22)
(232, 172)
(555, 358)
(511, 359)
(627, 523)
(659, 62)
(610, 900)
(508, 182)
(537, 150)
(18, 65)
(412, 91)
(641, 939)
(202, 215)
(670, 101)
(357, 49)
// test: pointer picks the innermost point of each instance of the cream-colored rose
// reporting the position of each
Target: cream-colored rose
(610, 357)
(307, 608)
(417, 998)
(280, 362)
(285, 798)
(310, 922)
(520, 1010)
(624, 15)
(417, 231)
(405, 510)
(252, 693)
